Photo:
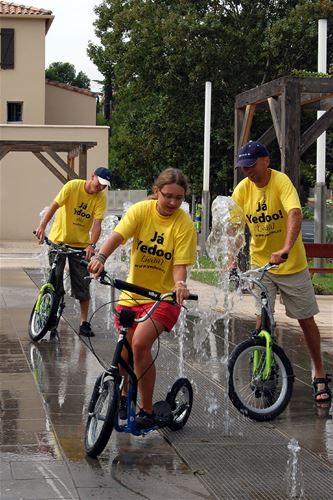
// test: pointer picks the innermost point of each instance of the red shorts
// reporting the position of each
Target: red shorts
(166, 314)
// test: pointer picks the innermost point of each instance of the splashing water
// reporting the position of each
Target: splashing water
(294, 475)
(223, 245)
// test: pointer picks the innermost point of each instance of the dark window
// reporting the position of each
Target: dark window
(7, 48)
(14, 111)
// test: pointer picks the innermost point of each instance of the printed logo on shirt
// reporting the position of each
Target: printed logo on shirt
(154, 249)
(81, 214)
(265, 223)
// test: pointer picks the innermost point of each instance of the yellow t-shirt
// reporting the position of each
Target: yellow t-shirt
(76, 214)
(266, 210)
(159, 243)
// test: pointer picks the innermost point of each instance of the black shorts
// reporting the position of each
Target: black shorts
(77, 273)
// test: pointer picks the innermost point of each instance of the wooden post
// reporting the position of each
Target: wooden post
(291, 131)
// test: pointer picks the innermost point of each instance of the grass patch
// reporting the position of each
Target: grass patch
(204, 273)
(323, 284)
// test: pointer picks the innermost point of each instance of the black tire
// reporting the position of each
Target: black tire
(102, 413)
(254, 397)
(41, 320)
(180, 398)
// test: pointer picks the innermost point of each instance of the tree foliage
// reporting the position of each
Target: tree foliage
(66, 73)
(156, 56)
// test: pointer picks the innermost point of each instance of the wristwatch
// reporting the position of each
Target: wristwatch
(93, 245)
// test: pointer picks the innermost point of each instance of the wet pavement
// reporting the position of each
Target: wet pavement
(45, 388)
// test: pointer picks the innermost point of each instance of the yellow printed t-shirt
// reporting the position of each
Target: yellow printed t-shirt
(76, 214)
(159, 243)
(266, 210)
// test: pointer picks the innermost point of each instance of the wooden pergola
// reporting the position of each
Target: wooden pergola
(49, 150)
(285, 98)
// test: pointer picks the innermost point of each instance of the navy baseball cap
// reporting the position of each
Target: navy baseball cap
(104, 176)
(250, 152)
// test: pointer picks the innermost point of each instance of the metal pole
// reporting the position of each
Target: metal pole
(320, 188)
(205, 190)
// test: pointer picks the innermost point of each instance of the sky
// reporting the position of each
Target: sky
(68, 36)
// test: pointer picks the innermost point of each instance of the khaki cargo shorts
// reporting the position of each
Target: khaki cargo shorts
(296, 293)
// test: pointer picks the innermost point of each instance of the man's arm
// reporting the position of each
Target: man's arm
(94, 236)
(294, 225)
(40, 231)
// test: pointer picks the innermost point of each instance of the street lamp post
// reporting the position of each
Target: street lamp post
(320, 188)
(205, 188)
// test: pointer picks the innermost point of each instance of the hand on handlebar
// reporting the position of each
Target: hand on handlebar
(95, 267)
(181, 292)
(279, 257)
(40, 233)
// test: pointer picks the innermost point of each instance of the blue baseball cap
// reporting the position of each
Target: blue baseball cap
(250, 152)
(104, 176)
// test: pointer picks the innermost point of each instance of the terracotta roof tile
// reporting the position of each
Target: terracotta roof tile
(11, 8)
(71, 88)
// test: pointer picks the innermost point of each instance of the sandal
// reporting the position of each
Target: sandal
(326, 390)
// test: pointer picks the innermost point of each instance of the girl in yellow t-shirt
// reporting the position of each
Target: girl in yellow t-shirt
(164, 244)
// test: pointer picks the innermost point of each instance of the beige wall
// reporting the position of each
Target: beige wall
(27, 186)
(26, 82)
(67, 107)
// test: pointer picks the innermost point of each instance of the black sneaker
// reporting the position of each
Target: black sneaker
(123, 408)
(85, 330)
(144, 420)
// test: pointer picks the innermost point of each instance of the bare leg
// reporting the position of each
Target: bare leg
(84, 308)
(142, 342)
(312, 340)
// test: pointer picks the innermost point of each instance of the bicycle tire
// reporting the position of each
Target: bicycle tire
(100, 422)
(40, 321)
(180, 398)
(261, 400)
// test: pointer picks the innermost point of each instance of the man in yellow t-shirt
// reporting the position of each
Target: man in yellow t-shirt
(272, 211)
(80, 208)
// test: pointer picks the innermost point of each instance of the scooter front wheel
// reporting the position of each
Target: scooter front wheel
(103, 409)
(180, 398)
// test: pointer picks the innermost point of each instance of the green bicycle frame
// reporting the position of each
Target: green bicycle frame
(46, 285)
(269, 356)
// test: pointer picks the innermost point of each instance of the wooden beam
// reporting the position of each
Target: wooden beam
(275, 109)
(291, 132)
(246, 125)
(83, 162)
(310, 85)
(315, 130)
(268, 136)
(4, 150)
(38, 146)
(71, 174)
(50, 167)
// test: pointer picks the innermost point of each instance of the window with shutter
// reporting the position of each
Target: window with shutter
(14, 111)
(7, 48)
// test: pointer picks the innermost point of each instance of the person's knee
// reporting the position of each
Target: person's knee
(140, 348)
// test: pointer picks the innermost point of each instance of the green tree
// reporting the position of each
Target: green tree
(156, 56)
(65, 72)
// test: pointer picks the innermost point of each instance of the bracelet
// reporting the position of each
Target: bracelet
(101, 257)
(181, 283)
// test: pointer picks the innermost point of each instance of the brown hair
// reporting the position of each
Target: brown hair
(170, 176)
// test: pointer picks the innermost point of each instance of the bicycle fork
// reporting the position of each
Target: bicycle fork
(268, 357)
(41, 292)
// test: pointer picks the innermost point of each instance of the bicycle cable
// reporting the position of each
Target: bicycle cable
(137, 301)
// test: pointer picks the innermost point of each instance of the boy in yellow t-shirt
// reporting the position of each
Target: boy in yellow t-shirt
(273, 215)
(80, 208)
